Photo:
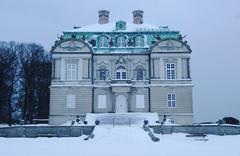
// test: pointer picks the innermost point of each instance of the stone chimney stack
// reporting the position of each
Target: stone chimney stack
(103, 16)
(137, 17)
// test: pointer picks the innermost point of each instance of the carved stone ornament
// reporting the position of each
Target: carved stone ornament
(72, 46)
(170, 45)
(121, 60)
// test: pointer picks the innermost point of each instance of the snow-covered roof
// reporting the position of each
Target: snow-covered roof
(111, 27)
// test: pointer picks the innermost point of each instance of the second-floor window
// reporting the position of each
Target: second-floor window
(102, 73)
(139, 74)
(121, 42)
(71, 71)
(103, 42)
(121, 72)
(170, 71)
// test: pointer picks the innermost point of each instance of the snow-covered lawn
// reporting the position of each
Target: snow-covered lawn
(121, 141)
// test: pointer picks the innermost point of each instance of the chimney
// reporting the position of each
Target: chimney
(137, 17)
(103, 16)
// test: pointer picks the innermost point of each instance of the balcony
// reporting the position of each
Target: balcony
(121, 85)
(121, 81)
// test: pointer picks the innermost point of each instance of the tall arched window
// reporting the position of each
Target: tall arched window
(138, 41)
(121, 42)
(103, 42)
(121, 72)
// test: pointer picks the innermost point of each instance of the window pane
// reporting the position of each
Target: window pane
(168, 65)
(169, 103)
(118, 75)
(173, 103)
(169, 96)
(124, 75)
(168, 74)
(173, 74)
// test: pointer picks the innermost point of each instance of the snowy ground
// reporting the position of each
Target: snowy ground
(121, 141)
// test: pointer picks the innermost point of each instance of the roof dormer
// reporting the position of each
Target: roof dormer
(120, 25)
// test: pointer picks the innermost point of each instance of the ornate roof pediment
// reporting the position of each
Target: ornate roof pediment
(71, 46)
(170, 46)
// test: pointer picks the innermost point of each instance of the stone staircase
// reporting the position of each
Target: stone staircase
(121, 118)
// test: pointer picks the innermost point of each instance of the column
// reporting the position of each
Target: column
(53, 68)
(80, 69)
(62, 69)
(179, 68)
(162, 69)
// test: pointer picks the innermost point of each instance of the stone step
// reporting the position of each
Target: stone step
(121, 118)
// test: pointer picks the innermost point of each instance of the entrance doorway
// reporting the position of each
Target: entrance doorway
(121, 104)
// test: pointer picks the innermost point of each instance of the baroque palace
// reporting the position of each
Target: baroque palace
(121, 67)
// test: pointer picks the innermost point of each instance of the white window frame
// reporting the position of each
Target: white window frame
(102, 101)
(171, 100)
(121, 41)
(140, 102)
(121, 74)
(138, 41)
(103, 42)
(70, 101)
(170, 71)
(71, 71)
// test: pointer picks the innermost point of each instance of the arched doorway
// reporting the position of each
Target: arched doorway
(121, 104)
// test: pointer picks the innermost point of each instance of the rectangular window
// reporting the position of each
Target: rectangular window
(71, 71)
(170, 71)
(70, 101)
(102, 101)
(139, 101)
(171, 100)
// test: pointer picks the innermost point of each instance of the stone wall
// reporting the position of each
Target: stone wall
(198, 129)
(45, 131)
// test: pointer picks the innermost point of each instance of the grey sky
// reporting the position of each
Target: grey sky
(212, 28)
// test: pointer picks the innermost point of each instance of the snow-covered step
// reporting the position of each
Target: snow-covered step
(121, 118)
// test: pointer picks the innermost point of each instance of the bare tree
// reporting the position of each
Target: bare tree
(33, 77)
(25, 75)
(9, 79)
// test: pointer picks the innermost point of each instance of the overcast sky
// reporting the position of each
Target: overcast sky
(212, 28)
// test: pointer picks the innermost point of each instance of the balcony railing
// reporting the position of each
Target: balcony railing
(121, 81)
